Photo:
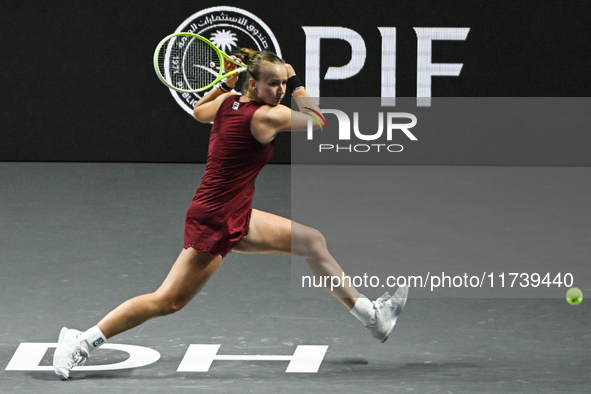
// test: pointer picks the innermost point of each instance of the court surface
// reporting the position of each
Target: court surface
(77, 239)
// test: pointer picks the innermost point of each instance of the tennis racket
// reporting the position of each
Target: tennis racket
(189, 63)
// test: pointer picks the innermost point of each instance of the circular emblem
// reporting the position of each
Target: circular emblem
(228, 28)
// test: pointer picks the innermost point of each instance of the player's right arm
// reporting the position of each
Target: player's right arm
(206, 108)
(208, 105)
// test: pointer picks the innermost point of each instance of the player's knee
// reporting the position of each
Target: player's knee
(315, 242)
(169, 305)
(170, 308)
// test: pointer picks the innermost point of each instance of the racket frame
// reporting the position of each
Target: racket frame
(221, 55)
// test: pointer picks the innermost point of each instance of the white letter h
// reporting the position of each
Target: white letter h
(305, 359)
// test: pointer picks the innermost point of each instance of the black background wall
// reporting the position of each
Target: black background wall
(77, 82)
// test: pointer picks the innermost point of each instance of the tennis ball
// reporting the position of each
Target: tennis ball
(574, 296)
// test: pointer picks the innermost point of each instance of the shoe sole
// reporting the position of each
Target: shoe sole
(59, 342)
(401, 305)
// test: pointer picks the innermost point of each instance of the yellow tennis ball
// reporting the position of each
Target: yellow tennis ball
(574, 296)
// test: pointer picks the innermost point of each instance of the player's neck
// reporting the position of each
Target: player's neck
(250, 96)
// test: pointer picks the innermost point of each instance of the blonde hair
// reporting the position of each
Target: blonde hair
(254, 59)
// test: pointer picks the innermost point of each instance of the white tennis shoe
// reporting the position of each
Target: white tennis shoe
(68, 354)
(387, 310)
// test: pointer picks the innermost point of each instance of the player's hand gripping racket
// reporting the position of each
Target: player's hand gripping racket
(190, 63)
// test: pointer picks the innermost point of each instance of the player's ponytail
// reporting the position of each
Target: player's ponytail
(255, 62)
(246, 55)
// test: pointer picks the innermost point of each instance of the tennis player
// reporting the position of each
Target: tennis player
(220, 218)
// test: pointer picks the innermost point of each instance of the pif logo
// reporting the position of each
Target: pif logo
(228, 28)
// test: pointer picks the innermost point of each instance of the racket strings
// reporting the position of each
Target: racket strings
(201, 65)
(188, 64)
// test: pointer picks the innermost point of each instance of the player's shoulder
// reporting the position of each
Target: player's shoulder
(227, 96)
(273, 113)
(268, 120)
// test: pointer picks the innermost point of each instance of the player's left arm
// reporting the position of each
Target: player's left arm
(269, 121)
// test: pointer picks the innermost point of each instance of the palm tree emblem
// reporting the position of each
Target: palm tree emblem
(224, 40)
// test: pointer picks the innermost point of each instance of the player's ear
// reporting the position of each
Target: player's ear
(252, 84)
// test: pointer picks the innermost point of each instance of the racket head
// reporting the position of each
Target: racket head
(188, 62)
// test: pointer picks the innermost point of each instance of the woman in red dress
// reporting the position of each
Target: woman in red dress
(220, 218)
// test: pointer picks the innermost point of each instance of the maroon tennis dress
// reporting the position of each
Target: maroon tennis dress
(219, 214)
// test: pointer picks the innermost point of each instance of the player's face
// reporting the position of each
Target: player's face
(272, 84)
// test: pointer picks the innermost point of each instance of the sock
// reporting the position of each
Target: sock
(364, 311)
(91, 339)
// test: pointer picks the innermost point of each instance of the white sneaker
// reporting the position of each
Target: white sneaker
(387, 310)
(68, 354)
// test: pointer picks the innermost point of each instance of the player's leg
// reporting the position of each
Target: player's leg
(272, 234)
(187, 277)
